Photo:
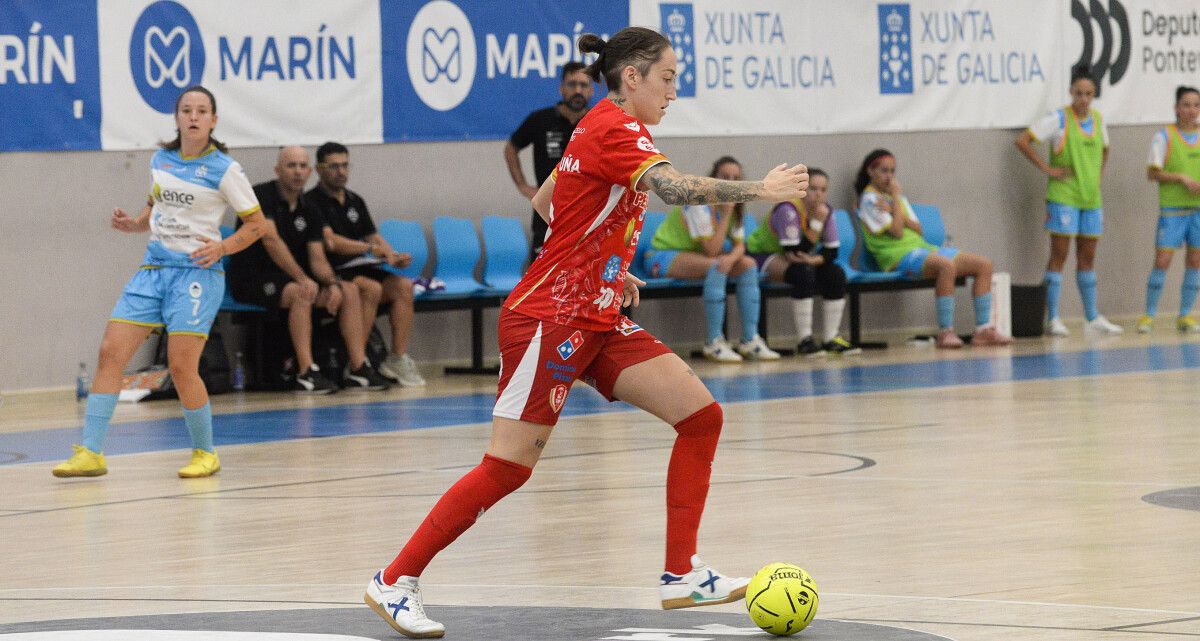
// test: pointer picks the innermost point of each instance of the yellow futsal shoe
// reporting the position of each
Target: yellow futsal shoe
(83, 462)
(1145, 324)
(1187, 325)
(203, 464)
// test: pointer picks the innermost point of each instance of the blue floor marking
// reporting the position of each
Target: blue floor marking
(391, 416)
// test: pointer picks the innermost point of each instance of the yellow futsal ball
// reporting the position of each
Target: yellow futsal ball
(782, 599)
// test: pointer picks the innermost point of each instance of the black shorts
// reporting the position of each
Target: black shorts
(370, 271)
(264, 292)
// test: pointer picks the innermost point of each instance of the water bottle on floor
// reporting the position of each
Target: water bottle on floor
(82, 383)
(239, 373)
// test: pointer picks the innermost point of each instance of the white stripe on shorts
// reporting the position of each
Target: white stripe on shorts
(512, 402)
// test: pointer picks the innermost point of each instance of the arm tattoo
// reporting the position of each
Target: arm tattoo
(539, 443)
(679, 189)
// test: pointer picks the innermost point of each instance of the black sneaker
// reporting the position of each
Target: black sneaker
(841, 347)
(808, 347)
(313, 382)
(363, 378)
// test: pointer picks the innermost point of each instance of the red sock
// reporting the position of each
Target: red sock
(687, 483)
(465, 501)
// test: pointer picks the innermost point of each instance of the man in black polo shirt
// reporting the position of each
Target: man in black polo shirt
(288, 270)
(548, 130)
(357, 251)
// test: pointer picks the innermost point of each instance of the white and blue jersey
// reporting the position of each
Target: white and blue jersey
(190, 197)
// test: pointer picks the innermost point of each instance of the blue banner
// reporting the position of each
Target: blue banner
(456, 71)
(49, 75)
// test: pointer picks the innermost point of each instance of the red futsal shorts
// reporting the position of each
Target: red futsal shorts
(539, 360)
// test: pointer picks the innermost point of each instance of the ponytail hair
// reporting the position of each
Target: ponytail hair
(174, 145)
(636, 46)
(863, 178)
(738, 208)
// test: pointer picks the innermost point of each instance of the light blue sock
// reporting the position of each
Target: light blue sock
(945, 312)
(95, 421)
(983, 309)
(1187, 293)
(1053, 288)
(1087, 291)
(1154, 287)
(748, 298)
(714, 302)
(199, 424)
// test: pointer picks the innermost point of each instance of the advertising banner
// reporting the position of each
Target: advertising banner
(49, 76)
(808, 66)
(283, 71)
(84, 74)
(474, 70)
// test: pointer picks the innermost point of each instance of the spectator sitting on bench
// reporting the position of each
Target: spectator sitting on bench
(690, 244)
(893, 236)
(786, 252)
(289, 270)
(358, 253)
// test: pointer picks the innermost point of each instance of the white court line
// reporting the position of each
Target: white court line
(616, 588)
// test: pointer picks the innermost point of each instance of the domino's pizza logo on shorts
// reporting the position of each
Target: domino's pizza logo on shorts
(568, 347)
(166, 54)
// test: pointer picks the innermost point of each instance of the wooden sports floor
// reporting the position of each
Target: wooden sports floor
(1049, 491)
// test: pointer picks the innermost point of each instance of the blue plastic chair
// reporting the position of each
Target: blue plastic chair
(458, 252)
(933, 228)
(228, 304)
(653, 220)
(506, 249)
(406, 236)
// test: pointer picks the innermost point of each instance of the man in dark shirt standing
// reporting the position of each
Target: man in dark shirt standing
(357, 252)
(288, 270)
(548, 130)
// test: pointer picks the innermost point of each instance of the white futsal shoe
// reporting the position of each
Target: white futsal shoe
(1057, 328)
(400, 605)
(702, 586)
(756, 349)
(1101, 326)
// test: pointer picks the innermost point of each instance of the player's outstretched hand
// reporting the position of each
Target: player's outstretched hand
(124, 222)
(786, 183)
(629, 295)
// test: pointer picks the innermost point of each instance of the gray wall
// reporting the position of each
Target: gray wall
(65, 267)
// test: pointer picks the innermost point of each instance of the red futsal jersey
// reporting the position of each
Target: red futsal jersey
(596, 217)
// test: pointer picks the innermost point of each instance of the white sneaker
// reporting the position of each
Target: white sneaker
(400, 605)
(702, 586)
(1057, 328)
(720, 351)
(1101, 325)
(402, 369)
(756, 349)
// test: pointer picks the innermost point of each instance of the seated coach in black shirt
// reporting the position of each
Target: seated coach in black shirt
(289, 270)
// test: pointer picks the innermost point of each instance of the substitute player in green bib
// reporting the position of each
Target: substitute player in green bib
(709, 243)
(1078, 143)
(1175, 166)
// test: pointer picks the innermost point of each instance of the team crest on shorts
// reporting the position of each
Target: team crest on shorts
(568, 347)
(558, 396)
(195, 290)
